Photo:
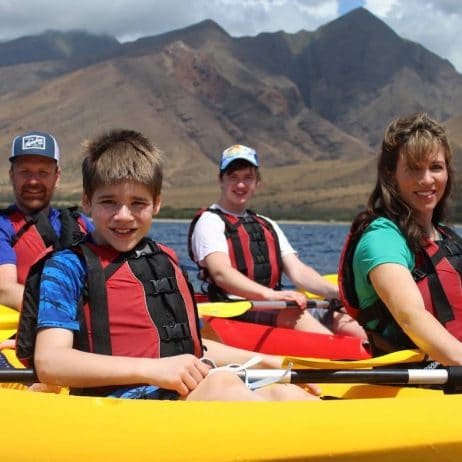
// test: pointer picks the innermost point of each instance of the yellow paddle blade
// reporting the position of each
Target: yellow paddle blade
(397, 357)
(8, 322)
(333, 278)
(223, 309)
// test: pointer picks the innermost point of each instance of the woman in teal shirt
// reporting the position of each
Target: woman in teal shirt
(401, 226)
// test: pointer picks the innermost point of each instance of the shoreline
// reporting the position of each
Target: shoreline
(281, 222)
(284, 222)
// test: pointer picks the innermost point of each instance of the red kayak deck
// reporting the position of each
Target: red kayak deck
(288, 342)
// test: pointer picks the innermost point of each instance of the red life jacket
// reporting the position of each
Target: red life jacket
(253, 248)
(437, 273)
(34, 234)
(137, 304)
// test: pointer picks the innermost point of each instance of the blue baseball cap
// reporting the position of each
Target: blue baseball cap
(35, 143)
(238, 151)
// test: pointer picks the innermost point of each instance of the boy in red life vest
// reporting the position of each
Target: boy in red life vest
(116, 316)
(31, 225)
(242, 253)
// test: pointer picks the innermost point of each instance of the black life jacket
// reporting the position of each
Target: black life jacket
(145, 291)
(438, 275)
(34, 234)
(253, 248)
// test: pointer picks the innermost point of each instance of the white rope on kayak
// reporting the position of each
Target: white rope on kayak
(255, 384)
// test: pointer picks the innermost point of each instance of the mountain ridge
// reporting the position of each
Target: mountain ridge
(308, 102)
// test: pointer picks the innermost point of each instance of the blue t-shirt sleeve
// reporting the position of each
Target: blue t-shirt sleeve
(7, 253)
(61, 286)
(56, 221)
(88, 223)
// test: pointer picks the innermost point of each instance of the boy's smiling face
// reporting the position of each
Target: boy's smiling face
(122, 214)
(237, 188)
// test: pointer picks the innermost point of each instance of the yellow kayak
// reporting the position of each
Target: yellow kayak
(402, 425)
(366, 422)
(369, 422)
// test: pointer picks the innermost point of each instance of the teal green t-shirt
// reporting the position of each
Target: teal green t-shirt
(382, 242)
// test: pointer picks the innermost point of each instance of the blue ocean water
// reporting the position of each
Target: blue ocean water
(318, 245)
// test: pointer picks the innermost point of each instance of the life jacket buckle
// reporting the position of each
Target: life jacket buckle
(145, 251)
(453, 248)
(178, 331)
(163, 286)
(418, 274)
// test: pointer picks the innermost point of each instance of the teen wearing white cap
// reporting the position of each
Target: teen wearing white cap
(242, 253)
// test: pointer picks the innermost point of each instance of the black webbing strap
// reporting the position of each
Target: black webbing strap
(271, 229)
(21, 231)
(441, 304)
(71, 233)
(174, 325)
(161, 287)
(259, 251)
(44, 228)
(443, 309)
(232, 233)
(97, 296)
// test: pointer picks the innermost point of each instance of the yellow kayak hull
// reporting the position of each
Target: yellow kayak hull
(380, 423)
(8, 322)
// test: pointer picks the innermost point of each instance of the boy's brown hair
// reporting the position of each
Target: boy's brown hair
(121, 155)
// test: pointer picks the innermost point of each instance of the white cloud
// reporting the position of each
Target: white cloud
(130, 18)
(250, 17)
(433, 23)
(381, 8)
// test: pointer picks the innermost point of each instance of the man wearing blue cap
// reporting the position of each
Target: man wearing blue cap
(31, 225)
(245, 254)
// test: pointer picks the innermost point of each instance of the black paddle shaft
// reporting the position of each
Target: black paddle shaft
(18, 376)
(451, 376)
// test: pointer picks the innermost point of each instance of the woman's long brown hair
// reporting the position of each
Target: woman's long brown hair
(417, 138)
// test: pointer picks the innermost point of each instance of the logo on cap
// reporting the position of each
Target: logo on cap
(33, 142)
(238, 151)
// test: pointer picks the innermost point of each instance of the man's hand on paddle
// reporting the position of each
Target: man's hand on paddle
(287, 296)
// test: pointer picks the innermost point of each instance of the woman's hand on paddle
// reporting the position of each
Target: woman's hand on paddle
(180, 373)
(287, 296)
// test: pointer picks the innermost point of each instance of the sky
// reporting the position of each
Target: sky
(435, 24)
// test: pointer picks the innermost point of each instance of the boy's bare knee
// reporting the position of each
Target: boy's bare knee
(285, 392)
(224, 379)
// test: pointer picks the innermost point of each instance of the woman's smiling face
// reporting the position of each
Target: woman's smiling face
(422, 186)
